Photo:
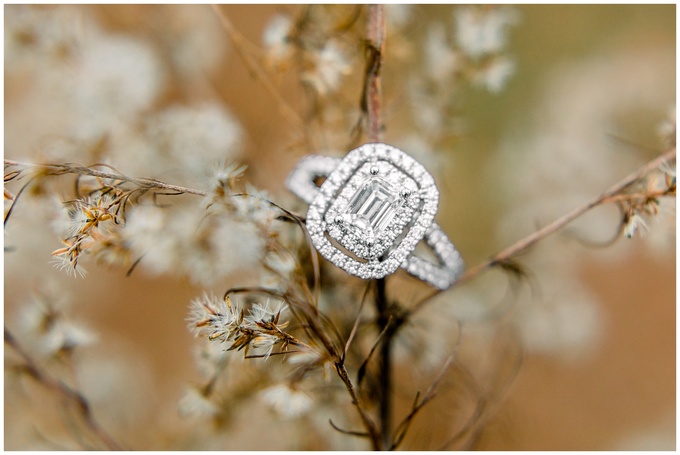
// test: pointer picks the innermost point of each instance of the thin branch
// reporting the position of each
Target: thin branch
(524, 244)
(371, 96)
(70, 168)
(365, 418)
(353, 332)
(239, 41)
(73, 396)
(364, 364)
(360, 434)
(405, 424)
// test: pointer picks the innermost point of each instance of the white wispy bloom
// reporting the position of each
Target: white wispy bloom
(330, 65)
(267, 312)
(210, 357)
(635, 224)
(194, 39)
(287, 401)
(182, 134)
(65, 336)
(225, 174)
(216, 318)
(666, 129)
(264, 342)
(255, 206)
(494, 75)
(64, 263)
(195, 403)
(115, 77)
(427, 115)
(231, 246)
(186, 241)
(669, 170)
(482, 30)
(38, 36)
(283, 264)
(662, 231)
(566, 323)
(49, 328)
(275, 37)
(441, 59)
(152, 238)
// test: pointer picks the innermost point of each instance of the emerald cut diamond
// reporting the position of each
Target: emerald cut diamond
(373, 207)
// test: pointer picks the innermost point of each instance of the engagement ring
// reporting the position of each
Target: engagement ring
(374, 206)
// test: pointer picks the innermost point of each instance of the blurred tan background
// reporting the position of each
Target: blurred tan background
(617, 393)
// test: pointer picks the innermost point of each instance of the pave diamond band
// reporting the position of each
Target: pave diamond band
(374, 206)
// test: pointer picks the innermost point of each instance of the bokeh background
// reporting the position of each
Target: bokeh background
(590, 99)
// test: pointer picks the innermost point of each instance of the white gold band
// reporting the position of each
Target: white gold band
(373, 208)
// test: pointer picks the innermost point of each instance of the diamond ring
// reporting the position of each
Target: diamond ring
(374, 206)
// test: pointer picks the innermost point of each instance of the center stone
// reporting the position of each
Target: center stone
(372, 207)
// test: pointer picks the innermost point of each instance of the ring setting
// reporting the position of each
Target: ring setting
(374, 206)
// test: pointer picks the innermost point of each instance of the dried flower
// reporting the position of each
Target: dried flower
(634, 223)
(216, 318)
(196, 402)
(441, 59)
(287, 400)
(330, 65)
(482, 30)
(276, 39)
(261, 329)
(53, 333)
(494, 75)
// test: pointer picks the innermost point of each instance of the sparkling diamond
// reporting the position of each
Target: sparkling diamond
(373, 207)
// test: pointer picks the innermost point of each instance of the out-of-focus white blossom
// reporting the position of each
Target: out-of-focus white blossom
(667, 127)
(482, 30)
(494, 75)
(276, 38)
(194, 39)
(441, 59)
(254, 206)
(330, 65)
(50, 35)
(185, 241)
(287, 401)
(195, 403)
(193, 138)
(49, 328)
(116, 77)
(565, 323)
(635, 224)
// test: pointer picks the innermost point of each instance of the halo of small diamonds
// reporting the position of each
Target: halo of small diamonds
(371, 211)
(362, 220)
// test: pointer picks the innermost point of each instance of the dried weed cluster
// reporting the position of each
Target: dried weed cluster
(343, 364)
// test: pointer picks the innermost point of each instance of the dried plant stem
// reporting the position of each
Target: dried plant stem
(255, 68)
(77, 169)
(371, 98)
(609, 195)
(73, 396)
(372, 104)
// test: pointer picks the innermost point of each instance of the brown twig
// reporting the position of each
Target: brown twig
(73, 396)
(524, 244)
(71, 168)
(371, 104)
(371, 101)
(255, 68)
(418, 404)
